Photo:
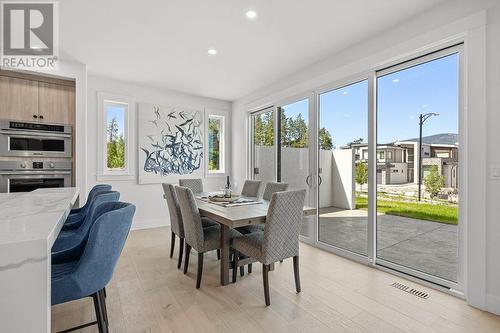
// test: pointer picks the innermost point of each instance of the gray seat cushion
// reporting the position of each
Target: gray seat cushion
(206, 222)
(249, 244)
(211, 237)
(251, 228)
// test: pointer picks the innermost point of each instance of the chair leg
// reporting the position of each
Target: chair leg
(186, 258)
(172, 245)
(242, 270)
(99, 313)
(103, 305)
(181, 251)
(296, 273)
(200, 270)
(235, 265)
(218, 254)
(249, 268)
(265, 275)
(281, 260)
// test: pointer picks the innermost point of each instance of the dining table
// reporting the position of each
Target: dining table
(254, 211)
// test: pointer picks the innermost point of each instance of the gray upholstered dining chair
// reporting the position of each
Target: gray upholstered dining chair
(194, 184)
(280, 239)
(272, 187)
(176, 223)
(200, 239)
(251, 188)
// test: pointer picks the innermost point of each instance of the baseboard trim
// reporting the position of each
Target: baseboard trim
(493, 304)
(147, 224)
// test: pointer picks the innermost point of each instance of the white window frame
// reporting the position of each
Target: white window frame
(224, 140)
(103, 173)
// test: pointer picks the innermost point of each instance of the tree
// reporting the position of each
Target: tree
(434, 181)
(214, 144)
(325, 139)
(115, 146)
(361, 174)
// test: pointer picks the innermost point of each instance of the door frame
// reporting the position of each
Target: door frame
(444, 51)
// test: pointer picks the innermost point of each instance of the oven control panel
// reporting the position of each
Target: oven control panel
(35, 165)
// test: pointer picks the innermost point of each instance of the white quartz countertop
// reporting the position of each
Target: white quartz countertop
(36, 215)
(29, 225)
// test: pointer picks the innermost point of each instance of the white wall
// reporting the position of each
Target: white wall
(151, 207)
(478, 23)
(342, 178)
(493, 140)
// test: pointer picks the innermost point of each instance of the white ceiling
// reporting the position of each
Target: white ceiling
(164, 42)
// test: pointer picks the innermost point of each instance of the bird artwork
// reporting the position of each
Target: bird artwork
(170, 141)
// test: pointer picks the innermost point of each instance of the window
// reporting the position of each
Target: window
(381, 155)
(216, 139)
(115, 135)
(215, 144)
(389, 155)
(116, 142)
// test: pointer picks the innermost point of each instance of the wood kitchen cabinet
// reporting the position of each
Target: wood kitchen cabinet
(18, 98)
(56, 103)
(28, 97)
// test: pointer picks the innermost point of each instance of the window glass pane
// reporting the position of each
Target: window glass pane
(264, 154)
(417, 192)
(214, 144)
(115, 133)
(343, 158)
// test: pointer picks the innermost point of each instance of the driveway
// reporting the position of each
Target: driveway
(430, 247)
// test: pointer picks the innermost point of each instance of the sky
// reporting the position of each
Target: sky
(118, 112)
(401, 97)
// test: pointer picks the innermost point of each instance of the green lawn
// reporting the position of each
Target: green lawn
(423, 211)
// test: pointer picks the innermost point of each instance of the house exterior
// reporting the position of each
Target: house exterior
(397, 162)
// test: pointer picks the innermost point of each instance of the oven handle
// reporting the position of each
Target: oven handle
(35, 173)
(37, 134)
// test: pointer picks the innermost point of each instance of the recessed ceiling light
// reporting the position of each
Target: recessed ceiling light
(212, 51)
(251, 14)
(345, 92)
(395, 80)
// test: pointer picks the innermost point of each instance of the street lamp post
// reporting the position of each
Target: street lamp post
(422, 119)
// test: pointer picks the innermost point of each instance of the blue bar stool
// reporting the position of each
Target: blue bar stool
(77, 215)
(90, 270)
(68, 239)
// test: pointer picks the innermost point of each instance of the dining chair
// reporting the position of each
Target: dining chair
(280, 238)
(69, 239)
(77, 215)
(200, 239)
(194, 184)
(87, 272)
(176, 223)
(272, 187)
(251, 188)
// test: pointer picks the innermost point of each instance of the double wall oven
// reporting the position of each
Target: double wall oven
(34, 155)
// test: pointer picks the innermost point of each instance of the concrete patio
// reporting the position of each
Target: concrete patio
(426, 246)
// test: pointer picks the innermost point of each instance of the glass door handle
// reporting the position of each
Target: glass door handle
(320, 180)
(307, 180)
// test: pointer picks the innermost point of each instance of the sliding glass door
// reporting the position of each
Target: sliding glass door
(379, 158)
(417, 167)
(264, 146)
(343, 167)
(296, 154)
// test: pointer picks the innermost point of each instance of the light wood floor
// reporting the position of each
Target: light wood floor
(149, 294)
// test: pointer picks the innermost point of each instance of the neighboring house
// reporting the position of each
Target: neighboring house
(397, 162)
